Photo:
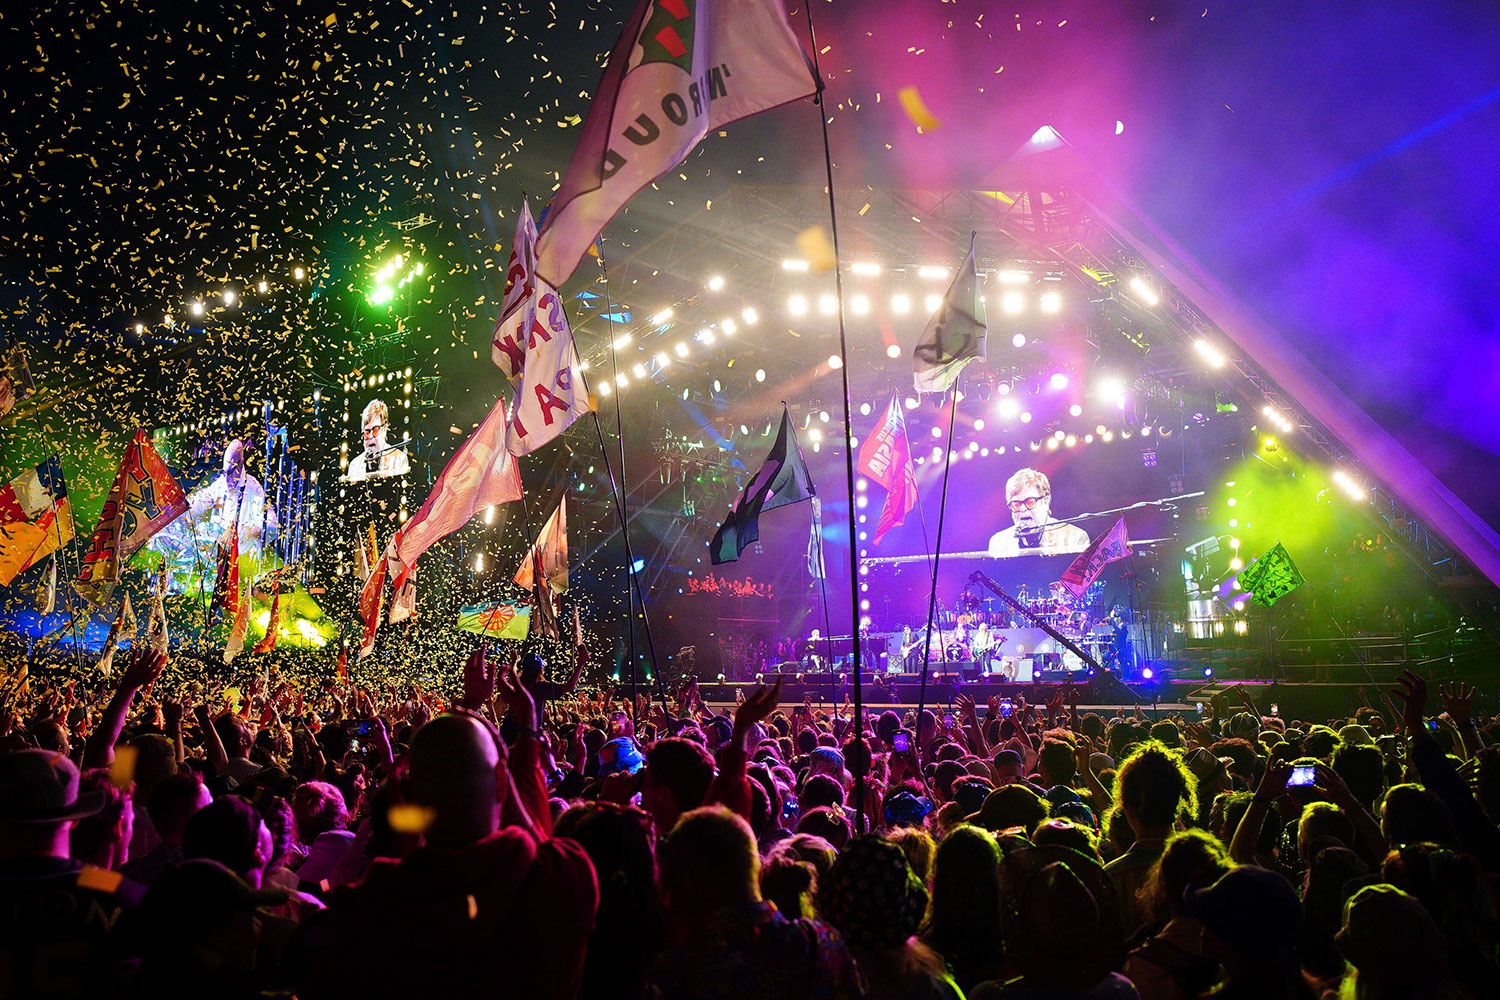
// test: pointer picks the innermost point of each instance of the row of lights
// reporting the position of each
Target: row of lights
(197, 307)
(1012, 302)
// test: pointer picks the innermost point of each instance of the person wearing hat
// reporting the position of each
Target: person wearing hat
(1061, 928)
(875, 901)
(1011, 805)
(59, 920)
(531, 668)
(1251, 920)
(1394, 947)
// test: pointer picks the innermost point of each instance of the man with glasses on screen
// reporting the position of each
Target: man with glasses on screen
(379, 459)
(1033, 528)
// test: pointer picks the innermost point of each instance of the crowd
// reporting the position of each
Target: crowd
(523, 839)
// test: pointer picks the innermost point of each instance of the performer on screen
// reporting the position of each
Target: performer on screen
(1029, 496)
(233, 493)
(379, 459)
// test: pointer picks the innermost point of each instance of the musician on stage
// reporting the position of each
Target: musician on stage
(379, 459)
(233, 493)
(1028, 493)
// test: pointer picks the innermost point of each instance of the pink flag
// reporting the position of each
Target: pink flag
(508, 341)
(371, 599)
(680, 68)
(885, 457)
(480, 474)
(1107, 548)
(551, 395)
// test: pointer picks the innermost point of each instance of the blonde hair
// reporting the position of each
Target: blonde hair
(1027, 477)
(377, 408)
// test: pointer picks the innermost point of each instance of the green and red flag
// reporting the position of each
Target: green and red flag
(497, 620)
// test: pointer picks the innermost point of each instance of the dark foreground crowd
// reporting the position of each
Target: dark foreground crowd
(527, 841)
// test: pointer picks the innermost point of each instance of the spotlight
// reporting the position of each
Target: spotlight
(261, 286)
(1111, 389)
(1143, 291)
(1009, 408)
(299, 273)
(1075, 410)
(662, 360)
(622, 340)
(1147, 673)
(718, 386)
(911, 402)
(1050, 302)
(937, 432)
(195, 308)
(979, 424)
(893, 351)
(140, 328)
(604, 389)
(900, 304)
(1025, 416)
(228, 296)
(1209, 353)
(865, 268)
(716, 283)
(760, 374)
(705, 336)
(1012, 302)
(792, 264)
(835, 362)
(729, 326)
(1013, 276)
(932, 272)
(639, 371)
(1019, 340)
(828, 304)
(750, 316)
(864, 411)
(681, 350)
(1059, 380)
(662, 317)
(797, 305)
(860, 304)
(932, 302)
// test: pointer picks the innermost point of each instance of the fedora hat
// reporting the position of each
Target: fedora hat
(1061, 919)
(41, 786)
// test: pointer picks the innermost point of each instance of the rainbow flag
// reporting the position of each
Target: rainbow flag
(498, 620)
(144, 499)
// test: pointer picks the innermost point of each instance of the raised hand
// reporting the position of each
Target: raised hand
(760, 704)
(518, 700)
(1458, 702)
(479, 681)
(145, 667)
(1411, 689)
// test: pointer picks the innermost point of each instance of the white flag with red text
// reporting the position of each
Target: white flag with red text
(679, 69)
(508, 341)
(551, 395)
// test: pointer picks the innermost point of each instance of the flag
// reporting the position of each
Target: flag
(815, 542)
(36, 518)
(47, 593)
(551, 395)
(368, 551)
(1114, 544)
(403, 592)
(1271, 577)
(273, 624)
(498, 620)
(239, 629)
(227, 574)
(371, 598)
(543, 601)
(156, 626)
(16, 385)
(955, 334)
(341, 668)
(783, 479)
(126, 618)
(552, 546)
(143, 500)
(679, 69)
(480, 474)
(508, 340)
(885, 457)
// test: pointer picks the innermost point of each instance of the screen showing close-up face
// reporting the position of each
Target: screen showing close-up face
(377, 448)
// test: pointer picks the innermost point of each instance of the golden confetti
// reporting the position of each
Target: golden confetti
(911, 103)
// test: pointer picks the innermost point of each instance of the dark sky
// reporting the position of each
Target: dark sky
(1333, 164)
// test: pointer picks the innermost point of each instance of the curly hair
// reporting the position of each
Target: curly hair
(1155, 785)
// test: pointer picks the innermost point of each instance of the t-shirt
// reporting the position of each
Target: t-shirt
(752, 952)
(1129, 872)
(59, 938)
(505, 916)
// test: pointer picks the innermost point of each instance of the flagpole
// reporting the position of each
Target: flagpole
(936, 560)
(633, 582)
(73, 544)
(861, 766)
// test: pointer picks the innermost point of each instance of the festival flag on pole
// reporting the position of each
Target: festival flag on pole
(885, 457)
(480, 474)
(36, 518)
(273, 624)
(1113, 545)
(403, 592)
(782, 480)
(239, 629)
(371, 599)
(1271, 577)
(679, 69)
(156, 627)
(368, 551)
(341, 667)
(497, 620)
(551, 395)
(227, 574)
(815, 564)
(955, 335)
(552, 547)
(143, 500)
(508, 341)
(47, 593)
(127, 618)
(543, 601)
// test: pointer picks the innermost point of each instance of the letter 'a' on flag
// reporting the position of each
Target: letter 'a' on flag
(954, 336)
(480, 474)
(679, 69)
(498, 620)
(782, 480)
(885, 457)
(1271, 577)
(551, 395)
(1113, 545)
(36, 518)
(551, 547)
(508, 341)
(143, 500)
